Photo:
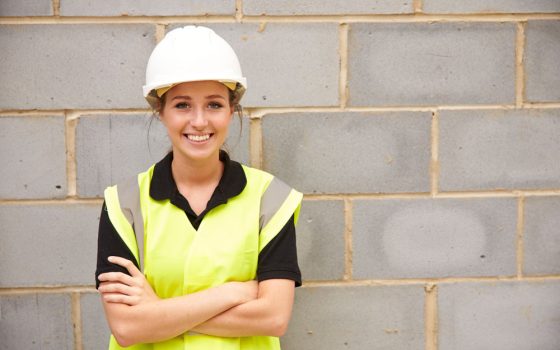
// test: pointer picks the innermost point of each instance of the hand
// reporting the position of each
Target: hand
(117, 287)
(243, 291)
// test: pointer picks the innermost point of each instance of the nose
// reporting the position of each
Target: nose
(199, 120)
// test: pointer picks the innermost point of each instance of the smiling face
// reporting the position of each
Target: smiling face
(197, 116)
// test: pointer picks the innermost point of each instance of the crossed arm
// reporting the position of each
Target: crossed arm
(137, 315)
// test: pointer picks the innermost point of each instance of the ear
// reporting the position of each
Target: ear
(158, 110)
(160, 117)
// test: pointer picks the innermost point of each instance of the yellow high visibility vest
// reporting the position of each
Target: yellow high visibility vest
(178, 260)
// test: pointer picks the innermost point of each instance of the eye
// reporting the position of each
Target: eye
(215, 105)
(182, 105)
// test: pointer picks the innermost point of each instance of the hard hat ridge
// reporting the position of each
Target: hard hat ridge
(192, 53)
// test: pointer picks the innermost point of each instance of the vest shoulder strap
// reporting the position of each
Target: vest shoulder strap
(278, 203)
(127, 194)
(129, 198)
(272, 199)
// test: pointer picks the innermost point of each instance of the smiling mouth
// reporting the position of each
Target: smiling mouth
(198, 138)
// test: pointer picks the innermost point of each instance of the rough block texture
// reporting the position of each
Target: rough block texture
(36, 321)
(95, 330)
(490, 6)
(328, 7)
(33, 153)
(74, 65)
(237, 142)
(26, 8)
(286, 64)
(320, 240)
(434, 238)
(486, 150)
(378, 317)
(541, 238)
(318, 153)
(61, 238)
(147, 8)
(542, 54)
(112, 148)
(499, 316)
(346, 92)
(431, 63)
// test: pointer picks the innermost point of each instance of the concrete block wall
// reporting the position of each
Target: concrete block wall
(425, 135)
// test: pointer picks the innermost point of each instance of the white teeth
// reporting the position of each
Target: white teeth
(198, 138)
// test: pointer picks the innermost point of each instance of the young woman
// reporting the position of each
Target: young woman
(198, 252)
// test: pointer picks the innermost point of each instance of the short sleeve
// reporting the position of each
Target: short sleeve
(278, 259)
(110, 243)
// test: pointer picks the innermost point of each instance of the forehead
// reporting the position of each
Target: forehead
(199, 88)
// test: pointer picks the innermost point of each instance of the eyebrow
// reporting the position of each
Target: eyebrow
(186, 97)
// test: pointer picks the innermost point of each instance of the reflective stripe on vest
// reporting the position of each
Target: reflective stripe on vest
(129, 199)
(224, 248)
(277, 207)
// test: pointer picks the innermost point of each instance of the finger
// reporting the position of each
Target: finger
(118, 277)
(127, 264)
(119, 299)
(117, 288)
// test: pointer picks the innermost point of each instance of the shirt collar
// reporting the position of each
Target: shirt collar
(231, 183)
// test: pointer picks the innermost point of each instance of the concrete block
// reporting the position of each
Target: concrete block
(36, 321)
(541, 237)
(46, 245)
(499, 316)
(488, 150)
(329, 7)
(542, 53)
(146, 8)
(33, 153)
(286, 64)
(112, 148)
(74, 65)
(431, 63)
(26, 8)
(379, 317)
(490, 6)
(349, 152)
(95, 330)
(320, 240)
(434, 238)
(237, 142)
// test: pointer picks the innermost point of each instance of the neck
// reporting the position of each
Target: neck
(196, 172)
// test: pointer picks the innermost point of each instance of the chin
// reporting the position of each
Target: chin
(199, 155)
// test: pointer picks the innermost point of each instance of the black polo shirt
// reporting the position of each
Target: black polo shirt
(278, 259)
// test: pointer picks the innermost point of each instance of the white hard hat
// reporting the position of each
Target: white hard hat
(192, 53)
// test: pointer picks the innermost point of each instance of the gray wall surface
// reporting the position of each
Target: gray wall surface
(425, 135)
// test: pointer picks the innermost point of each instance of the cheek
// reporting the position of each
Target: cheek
(218, 120)
(224, 124)
(172, 125)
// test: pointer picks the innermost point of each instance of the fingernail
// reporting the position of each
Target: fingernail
(111, 258)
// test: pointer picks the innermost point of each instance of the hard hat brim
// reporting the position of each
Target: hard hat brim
(153, 98)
